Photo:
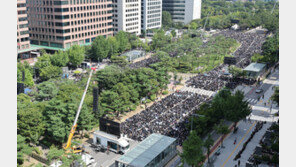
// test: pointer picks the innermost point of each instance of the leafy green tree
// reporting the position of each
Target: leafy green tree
(55, 154)
(110, 102)
(276, 96)
(222, 129)
(76, 55)
(123, 41)
(30, 123)
(235, 71)
(24, 99)
(22, 149)
(86, 120)
(119, 60)
(49, 72)
(28, 77)
(220, 103)
(166, 19)
(237, 107)
(59, 59)
(56, 129)
(271, 49)
(70, 159)
(113, 45)
(173, 32)
(193, 25)
(135, 41)
(47, 90)
(99, 48)
(159, 39)
(257, 58)
(69, 90)
(109, 77)
(38, 165)
(208, 143)
(60, 116)
(192, 150)
(271, 21)
(43, 61)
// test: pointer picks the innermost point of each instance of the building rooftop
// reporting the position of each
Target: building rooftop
(38, 47)
(147, 150)
(255, 67)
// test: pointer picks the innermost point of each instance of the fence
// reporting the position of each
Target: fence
(39, 158)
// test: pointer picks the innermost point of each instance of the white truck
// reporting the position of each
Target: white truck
(111, 142)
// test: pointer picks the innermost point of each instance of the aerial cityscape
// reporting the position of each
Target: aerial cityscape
(147, 83)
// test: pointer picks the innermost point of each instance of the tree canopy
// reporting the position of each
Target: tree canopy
(222, 14)
(121, 89)
(22, 149)
(76, 55)
(166, 19)
(28, 74)
(192, 150)
(276, 96)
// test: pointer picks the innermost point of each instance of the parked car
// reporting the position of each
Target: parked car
(259, 90)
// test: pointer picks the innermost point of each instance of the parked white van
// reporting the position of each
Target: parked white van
(114, 143)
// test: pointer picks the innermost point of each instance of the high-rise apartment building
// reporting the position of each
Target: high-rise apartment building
(127, 16)
(23, 41)
(63, 23)
(151, 14)
(183, 11)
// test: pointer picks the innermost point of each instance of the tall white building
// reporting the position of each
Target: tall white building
(183, 11)
(127, 16)
(151, 14)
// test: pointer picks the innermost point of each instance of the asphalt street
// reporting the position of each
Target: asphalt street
(262, 110)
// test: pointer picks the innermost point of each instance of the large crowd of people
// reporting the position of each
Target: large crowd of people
(214, 80)
(170, 115)
(144, 63)
(251, 42)
(166, 117)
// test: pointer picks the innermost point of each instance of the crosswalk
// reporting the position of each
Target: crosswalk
(198, 91)
(272, 82)
(251, 101)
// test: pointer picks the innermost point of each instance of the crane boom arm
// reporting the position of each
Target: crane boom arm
(78, 112)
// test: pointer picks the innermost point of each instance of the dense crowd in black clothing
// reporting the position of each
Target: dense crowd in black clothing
(166, 117)
(170, 115)
(144, 63)
(250, 43)
(215, 79)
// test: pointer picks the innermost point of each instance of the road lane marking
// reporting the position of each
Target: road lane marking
(239, 143)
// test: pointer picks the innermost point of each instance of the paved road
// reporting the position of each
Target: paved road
(102, 159)
(262, 110)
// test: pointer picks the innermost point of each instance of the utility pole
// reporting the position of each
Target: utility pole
(273, 6)
(205, 24)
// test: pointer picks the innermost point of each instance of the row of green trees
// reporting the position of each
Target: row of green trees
(243, 19)
(270, 50)
(224, 7)
(224, 106)
(222, 14)
(103, 48)
(50, 66)
(189, 54)
(54, 154)
(50, 109)
(122, 89)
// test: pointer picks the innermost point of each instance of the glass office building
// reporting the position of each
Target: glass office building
(155, 151)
